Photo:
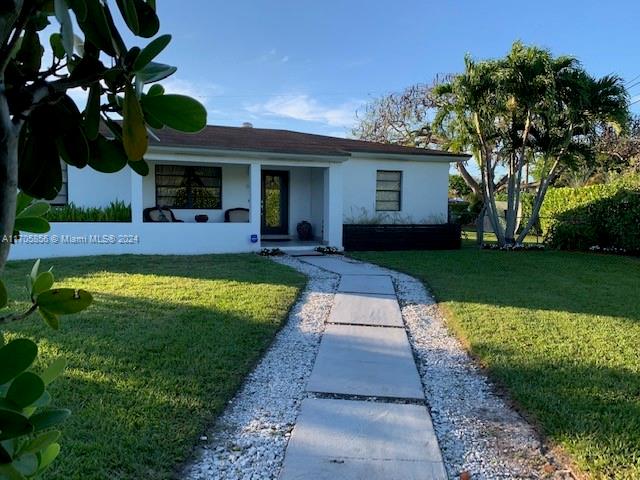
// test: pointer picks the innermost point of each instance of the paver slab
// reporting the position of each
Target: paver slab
(368, 361)
(366, 309)
(380, 284)
(345, 439)
(338, 265)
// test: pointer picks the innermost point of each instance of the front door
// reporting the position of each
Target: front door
(275, 202)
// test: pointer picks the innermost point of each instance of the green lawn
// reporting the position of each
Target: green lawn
(165, 345)
(561, 331)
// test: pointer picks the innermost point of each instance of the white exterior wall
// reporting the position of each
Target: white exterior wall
(88, 188)
(80, 239)
(325, 193)
(424, 190)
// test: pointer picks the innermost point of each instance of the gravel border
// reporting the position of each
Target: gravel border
(249, 439)
(479, 433)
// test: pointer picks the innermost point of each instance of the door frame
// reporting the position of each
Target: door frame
(284, 203)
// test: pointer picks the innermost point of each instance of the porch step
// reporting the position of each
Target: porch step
(304, 253)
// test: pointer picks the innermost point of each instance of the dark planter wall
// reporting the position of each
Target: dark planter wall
(401, 237)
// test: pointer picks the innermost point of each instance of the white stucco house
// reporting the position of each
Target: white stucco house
(280, 178)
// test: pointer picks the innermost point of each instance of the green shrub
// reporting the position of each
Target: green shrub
(606, 216)
(116, 212)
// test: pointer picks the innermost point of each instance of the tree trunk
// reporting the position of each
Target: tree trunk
(8, 177)
(480, 226)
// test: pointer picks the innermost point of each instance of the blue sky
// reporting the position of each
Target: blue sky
(308, 66)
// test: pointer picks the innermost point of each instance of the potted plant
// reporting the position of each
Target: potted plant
(305, 231)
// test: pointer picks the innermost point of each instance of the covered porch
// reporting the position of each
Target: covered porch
(241, 203)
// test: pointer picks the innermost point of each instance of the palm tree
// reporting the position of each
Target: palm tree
(527, 107)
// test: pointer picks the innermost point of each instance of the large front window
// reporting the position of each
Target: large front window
(388, 191)
(189, 186)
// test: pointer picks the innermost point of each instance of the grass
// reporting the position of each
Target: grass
(165, 345)
(560, 331)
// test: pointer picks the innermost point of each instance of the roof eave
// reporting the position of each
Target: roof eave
(248, 154)
(440, 157)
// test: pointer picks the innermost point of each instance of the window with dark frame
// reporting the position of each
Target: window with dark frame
(188, 186)
(388, 191)
(63, 195)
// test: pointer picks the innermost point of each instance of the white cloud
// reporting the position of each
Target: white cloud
(303, 107)
(199, 90)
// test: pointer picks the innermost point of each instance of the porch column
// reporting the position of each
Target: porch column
(137, 203)
(255, 182)
(333, 204)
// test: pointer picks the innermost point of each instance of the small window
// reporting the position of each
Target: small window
(63, 195)
(388, 191)
(189, 186)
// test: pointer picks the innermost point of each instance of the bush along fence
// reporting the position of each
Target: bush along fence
(597, 218)
(116, 212)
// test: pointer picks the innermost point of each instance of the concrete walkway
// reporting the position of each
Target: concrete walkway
(366, 417)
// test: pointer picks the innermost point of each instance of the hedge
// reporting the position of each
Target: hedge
(115, 212)
(605, 216)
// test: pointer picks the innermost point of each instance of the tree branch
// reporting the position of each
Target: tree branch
(18, 316)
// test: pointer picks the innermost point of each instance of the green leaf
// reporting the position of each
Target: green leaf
(4, 296)
(39, 171)
(49, 455)
(36, 209)
(34, 271)
(5, 456)
(141, 167)
(15, 357)
(49, 418)
(134, 131)
(43, 282)
(26, 464)
(155, 72)
(25, 389)
(14, 424)
(74, 148)
(23, 201)
(32, 224)
(41, 441)
(64, 301)
(151, 51)
(107, 156)
(176, 111)
(92, 112)
(155, 90)
(11, 473)
(147, 19)
(128, 12)
(53, 371)
(55, 40)
(66, 25)
(50, 319)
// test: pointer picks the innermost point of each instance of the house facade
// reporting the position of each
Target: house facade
(254, 186)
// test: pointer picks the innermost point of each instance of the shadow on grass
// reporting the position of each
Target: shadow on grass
(591, 409)
(148, 372)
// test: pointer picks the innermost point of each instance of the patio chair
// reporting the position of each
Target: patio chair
(236, 215)
(159, 214)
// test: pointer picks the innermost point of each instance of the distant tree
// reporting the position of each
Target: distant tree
(529, 107)
(458, 187)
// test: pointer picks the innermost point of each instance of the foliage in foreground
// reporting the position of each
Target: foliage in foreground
(116, 211)
(163, 348)
(562, 335)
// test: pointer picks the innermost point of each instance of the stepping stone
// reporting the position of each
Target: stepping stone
(366, 284)
(345, 439)
(367, 361)
(338, 265)
(366, 309)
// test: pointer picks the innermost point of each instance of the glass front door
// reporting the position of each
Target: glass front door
(275, 202)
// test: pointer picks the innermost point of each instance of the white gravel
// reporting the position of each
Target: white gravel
(478, 432)
(249, 439)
